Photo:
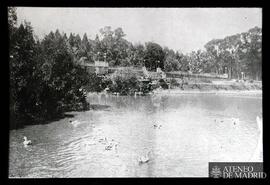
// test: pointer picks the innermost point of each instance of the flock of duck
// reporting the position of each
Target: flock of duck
(157, 126)
(112, 144)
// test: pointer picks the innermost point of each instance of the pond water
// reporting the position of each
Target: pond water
(191, 130)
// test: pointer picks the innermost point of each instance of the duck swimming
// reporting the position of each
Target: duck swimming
(75, 123)
(112, 145)
(235, 121)
(144, 159)
(109, 147)
(26, 142)
(157, 126)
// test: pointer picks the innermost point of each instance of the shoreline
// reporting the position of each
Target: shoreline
(180, 91)
(225, 92)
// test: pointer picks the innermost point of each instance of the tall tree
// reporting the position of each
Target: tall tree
(62, 76)
(251, 52)
(23, 74)
(171, 62)
(213, 49)
(113, 47)
(154, 56)
(237, 53)
(136, 55)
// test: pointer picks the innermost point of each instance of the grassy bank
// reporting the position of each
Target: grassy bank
(226, 87)
(202, 85)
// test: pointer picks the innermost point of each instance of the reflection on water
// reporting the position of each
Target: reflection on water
(191, 130)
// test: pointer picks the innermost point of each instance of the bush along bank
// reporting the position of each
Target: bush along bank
(127, 82)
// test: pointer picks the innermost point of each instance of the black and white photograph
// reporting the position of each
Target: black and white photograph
(135, 92)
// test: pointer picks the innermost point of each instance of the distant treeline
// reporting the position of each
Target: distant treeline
(233, 54)
(46, 78)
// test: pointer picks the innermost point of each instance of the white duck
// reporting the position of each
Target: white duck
(157, 126)
(26, 142)
(75, 123)
(145, 158)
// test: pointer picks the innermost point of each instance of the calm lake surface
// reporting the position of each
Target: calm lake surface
(192, 130)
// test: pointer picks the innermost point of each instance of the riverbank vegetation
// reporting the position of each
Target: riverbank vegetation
(47, 79)
(201, 84)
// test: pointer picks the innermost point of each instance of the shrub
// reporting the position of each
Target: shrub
(146, 87)
(174, 82)
(97, 83)
(205, 80)
(163, 84)
(125, 82)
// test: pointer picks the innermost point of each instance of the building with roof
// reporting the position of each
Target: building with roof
(98, 67)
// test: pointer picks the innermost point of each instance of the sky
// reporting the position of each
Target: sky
(181, 29)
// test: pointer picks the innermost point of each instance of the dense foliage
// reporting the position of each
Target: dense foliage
(237, 53)
(125, 82)
(45, 80)
(232, 55)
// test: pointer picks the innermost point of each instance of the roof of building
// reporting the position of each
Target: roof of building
(101, 64)
(83, 62)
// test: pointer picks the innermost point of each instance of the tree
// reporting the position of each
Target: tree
(250, 52)
(71, 40)
(119, 34)
(12, 20)
(171, 61)
(45, 80)
(154, 56)
(213, 49)
(197, 61)
(23, 75)
(114, 47)
(63, 77)
(136, 55)
(77, 41)
(85, 43)
(238, 53)
(86, 49)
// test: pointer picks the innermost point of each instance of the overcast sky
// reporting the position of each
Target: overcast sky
(183, 29)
